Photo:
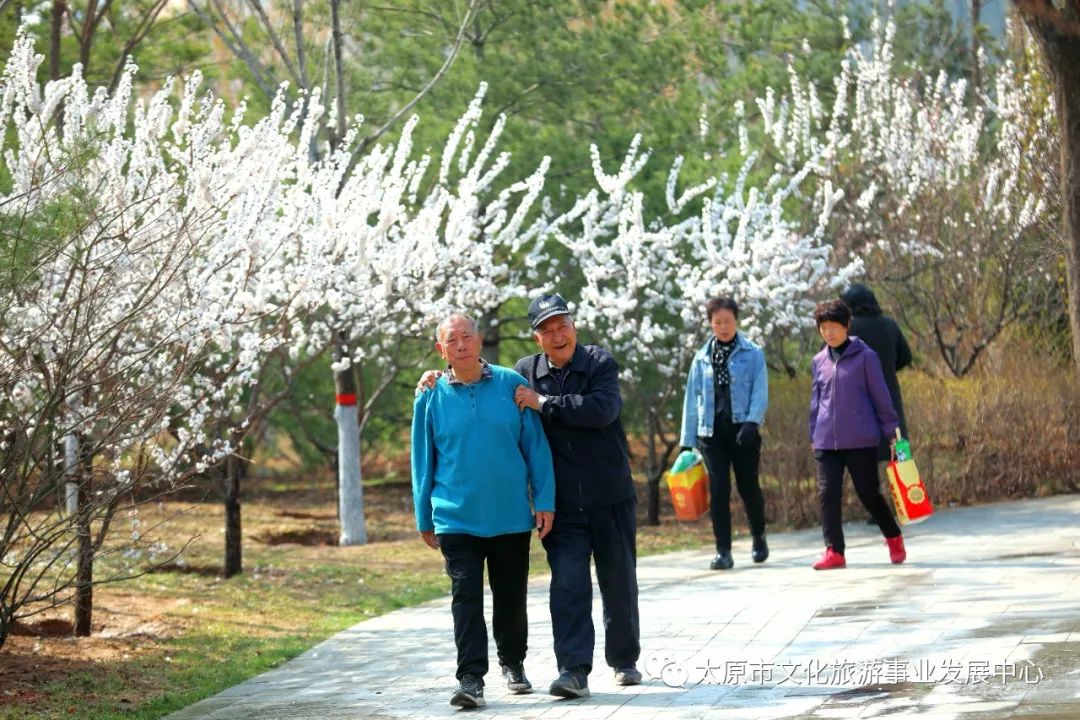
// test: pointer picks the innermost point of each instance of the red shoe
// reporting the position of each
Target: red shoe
(830, 560)
(897, 553)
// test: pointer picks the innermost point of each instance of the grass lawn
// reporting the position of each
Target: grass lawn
(170, 638)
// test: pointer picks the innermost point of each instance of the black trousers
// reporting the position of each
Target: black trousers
(608, 535)
(862, 464)
(507, 558)
(721, 455)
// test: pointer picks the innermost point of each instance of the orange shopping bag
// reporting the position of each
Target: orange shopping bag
(689, 485)
(908, 491)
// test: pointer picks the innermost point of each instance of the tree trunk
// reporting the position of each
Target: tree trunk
(976, 68)
(235, 471)
(84, 569)
(59, 9)
(489, 332)
(7, 620)
(71, 474)
(350, 488)
(1058, 34)
(86, 39)
(1067, 93)
(339, 74)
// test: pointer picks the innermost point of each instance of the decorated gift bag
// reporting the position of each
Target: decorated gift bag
(689, 485)
(908, 491)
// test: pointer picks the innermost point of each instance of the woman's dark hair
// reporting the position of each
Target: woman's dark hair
(835, 311)
(721, 303)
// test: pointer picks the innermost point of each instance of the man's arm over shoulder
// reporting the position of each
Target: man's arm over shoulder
(600, 403)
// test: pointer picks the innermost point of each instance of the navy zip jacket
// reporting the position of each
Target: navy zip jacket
(581, 420)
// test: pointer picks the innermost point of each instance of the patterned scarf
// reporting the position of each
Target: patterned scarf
(720, 353)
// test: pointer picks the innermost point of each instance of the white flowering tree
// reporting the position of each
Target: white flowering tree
(947, 199)
(385, 207)
(211, 262)
(127, 329)
(646, 279)
(941, 202)
(404, 243)
(355, 245)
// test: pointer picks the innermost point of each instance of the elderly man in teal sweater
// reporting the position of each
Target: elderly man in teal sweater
(482, 479)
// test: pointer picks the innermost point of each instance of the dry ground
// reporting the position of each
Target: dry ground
(182, 632)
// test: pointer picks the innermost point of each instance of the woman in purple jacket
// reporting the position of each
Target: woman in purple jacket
(850, 413)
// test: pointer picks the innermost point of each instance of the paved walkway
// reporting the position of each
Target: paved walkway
(983, 621)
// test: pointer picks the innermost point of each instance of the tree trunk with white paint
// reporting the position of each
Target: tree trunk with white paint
(347, 416)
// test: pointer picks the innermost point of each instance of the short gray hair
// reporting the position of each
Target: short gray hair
(446, 321)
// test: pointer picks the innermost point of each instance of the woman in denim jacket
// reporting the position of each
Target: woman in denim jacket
(727, 392)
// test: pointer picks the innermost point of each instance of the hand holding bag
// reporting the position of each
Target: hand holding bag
(908, 491)
(689, 486)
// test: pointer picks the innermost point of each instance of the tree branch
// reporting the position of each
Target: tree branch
(339, 72)
(301, 51)
(236, 45)
(369, 140)
(141, 31)
(276, 41)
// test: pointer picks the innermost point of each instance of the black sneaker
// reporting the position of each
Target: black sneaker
(628, 675)
(722, 561)
(470, 693)
(516, 682)
(570, 684)
(760, 553)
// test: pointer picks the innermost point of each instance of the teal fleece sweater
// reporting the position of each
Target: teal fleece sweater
(478, 461)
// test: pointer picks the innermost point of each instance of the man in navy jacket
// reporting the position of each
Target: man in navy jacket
(575, 388)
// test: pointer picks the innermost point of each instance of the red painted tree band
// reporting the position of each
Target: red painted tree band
(346, 399)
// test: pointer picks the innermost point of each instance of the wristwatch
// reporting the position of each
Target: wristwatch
(543, 399)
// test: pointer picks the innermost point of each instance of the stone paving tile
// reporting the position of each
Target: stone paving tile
(982, 622)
